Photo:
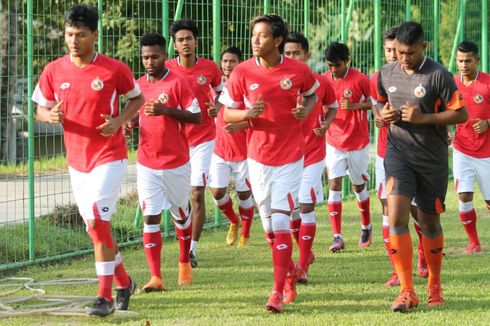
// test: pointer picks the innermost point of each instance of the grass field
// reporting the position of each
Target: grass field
(231, 285)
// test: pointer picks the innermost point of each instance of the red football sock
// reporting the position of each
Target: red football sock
(386, 238)
(433, 255)
(281, 257)
(105, 274)
(227, 209)
(469, 222)
(121, 277)
(335, 210)
(184, 234)
(247, 215)
(270, 238)
(365, 213)
(401, 247)
(306, 237)
(295, 226)
(152, 243)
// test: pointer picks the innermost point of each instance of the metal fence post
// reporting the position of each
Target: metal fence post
(459, 31)
(217, 59)
(377, 35)
(436, 30)
(267, 6)
(347, 21)
(30, 119)
(342, 20)
(307, 18)
(178, 13)
(100, 40)
(484, 35)
(408, 10)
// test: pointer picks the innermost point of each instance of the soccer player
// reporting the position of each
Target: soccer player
(201, 74)
(81, 91)
(229, 158)
(471, 153)
(279, 93)
(348, 141)
(419, 98)
(163, 168)
(314, 128)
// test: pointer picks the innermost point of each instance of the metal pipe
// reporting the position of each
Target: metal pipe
(459, 30)
(165, 22)
(377, 35)
(408, 10)
(484, 36)
(100, 40)
(307, 17)
(217, 31)
(30, 122)
(436, 30)
(177, 15)
(462, 15)
(342, 20)
(348, 20)
(267, 6)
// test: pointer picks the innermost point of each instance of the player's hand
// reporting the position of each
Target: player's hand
(378, 121)
(128, 128)
(212, 109)
(257, 108)
(388, 114)
(449, 138)
(110, 125)
(479, 125)
(345, 104)
(231, 128)
(56, 114)
(411, 113)
(322, 130)
(154, 108)
(299, 111)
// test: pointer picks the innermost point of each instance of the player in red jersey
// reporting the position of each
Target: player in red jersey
(163, 166)
(229, 159)
(471, 154)
(202, 75)
(81, 91)
(348, 141)
(390, 56)
(271, 87)
(314, 129)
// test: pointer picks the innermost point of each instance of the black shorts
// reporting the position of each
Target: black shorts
(428, 188)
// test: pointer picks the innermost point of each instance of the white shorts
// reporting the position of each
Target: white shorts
(96, 192)
(380, 177)
(275, 187)
(221, 171)
(164, 189)
(200, 161)
(466, 169)
(311, 188)
(354, 163)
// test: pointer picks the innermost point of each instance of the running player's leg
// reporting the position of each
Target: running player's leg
(245, 199)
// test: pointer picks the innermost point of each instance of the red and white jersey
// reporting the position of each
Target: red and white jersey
(203, 76)
(349, 129)
(162, 141)
(230, 147)
(87, 93)
(477, 100)
(275, 137)
(383, 131)
(315, 145)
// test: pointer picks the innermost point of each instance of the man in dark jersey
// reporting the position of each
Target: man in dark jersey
(419, 98)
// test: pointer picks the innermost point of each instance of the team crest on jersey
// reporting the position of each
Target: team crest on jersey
(419, 91)
(478, 99)
(97, 84)
(347, 93)
(201, 80)
(163, 98)
(286, 83)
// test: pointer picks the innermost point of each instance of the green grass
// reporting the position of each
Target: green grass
(231, 285)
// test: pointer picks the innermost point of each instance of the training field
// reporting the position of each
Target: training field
(232, 285)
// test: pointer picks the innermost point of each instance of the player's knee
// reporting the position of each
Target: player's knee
(306, 208)
(336, 184)
(152, 219)
(197, 194)
(218, 193)
(466, 196)
(244, 195)
(358, 188)
(100, 233)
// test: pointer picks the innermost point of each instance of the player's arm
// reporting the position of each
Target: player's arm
(329, 116)
(156, 108)
(411, 113)
(345, 104)
(232, 128)
(52, 115)
(480, 125)
(386, 111)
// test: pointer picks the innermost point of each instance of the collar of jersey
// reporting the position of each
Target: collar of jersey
(197, 60)
(93, 60)
(163, 77)
(257, 60)
(476, 77)
(346, 73)
(422, 64)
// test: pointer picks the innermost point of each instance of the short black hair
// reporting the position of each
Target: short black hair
(409, 33)
(233, 50)
(390, 33)
(336, 52)
(295, 37)
(153, 38)
(467, 47)
(81, 15)
(279, 27)
(186, 24)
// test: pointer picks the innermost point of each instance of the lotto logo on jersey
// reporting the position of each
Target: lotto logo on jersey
(163, 98)
(347, 93)
(65, 85)
(419, 91)
(286, 84)
(201, 80)
(97, 84)
(478, 99)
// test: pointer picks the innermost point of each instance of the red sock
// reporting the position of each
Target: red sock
(227, 209)
(295, 226)
(270, 238)
(365, 213)
(105, 286)
(281, 258)
(401, 247)
(306, 236)
(152, 243)
(121, 277)
(184, 236)
(469, 222)
(247, 215)
(335, 210)
(386, 238)
(433, 255)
